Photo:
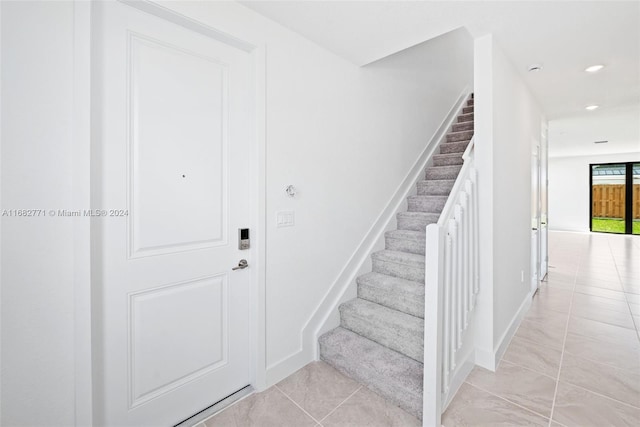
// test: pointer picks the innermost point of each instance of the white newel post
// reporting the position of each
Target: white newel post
(432, 398)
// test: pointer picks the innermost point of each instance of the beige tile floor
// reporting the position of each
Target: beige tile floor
(316, 395)
(574, 361)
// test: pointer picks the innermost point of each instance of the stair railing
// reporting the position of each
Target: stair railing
(451, 287)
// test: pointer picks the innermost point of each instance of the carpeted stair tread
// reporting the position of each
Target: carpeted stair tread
(435, 187)
(399, 264)
(395, 377)
(442, 172)
(467, 110)
(426, 203)
(394, 329)
(406, 241)
(453, 147)
(465, 118)
(447, 159)
(411, 260)
(457, 127)
(416, 236)
(464, 135)
(399, 294)
(416, 220)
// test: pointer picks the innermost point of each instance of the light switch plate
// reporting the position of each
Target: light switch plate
(285, 219)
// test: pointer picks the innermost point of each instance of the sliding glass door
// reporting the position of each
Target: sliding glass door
(615, 198)
(635, 197)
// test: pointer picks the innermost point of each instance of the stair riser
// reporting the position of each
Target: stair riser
(465, 118)
(434, 188)
(470, 102)
(467, 110)
(404, 245)
(415, 224)
(404, 302)
(399, 270)
(450, 172)
(458, 127)
(404, 340)
(453, 147)
(447, 160)
(426, 205)
(460, 136)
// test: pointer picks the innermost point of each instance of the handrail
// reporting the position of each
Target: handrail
(451, 286)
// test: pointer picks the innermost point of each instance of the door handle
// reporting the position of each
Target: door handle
(242, 264)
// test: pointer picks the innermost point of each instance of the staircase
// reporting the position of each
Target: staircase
(380, 338)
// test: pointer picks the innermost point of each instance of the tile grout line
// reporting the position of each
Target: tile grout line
(608, 323)
(600, 395)
(294, 402)
(564, 342)
(633, 319)
(340, 404)
(539, 323)
(597, 361)
(507, 400)
(527, 368)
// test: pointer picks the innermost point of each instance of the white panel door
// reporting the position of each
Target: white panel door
(173, 127)
(544, 200)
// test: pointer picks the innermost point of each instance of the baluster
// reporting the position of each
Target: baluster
(453, 230)
(460, 276)
(468, 238)
(472, 241)
(446, 313)
(464, 270)
(476, 233)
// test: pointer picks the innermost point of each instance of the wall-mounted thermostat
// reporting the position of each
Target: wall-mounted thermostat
(243, 239)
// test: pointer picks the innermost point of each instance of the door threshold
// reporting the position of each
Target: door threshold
(216, 407)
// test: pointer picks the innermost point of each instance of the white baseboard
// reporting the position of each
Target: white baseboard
(490, 360)
(321, 319)
(287, 366)
(569, 229)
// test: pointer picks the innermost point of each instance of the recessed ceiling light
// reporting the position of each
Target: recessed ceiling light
(535, 67)
(591, 107)
(594, 68)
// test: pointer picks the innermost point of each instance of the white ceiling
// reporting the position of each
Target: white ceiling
(575, 135)
(564, 36)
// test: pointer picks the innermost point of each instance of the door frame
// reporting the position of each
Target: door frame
(84, 172)
(544, 201)
(628, 195)
(537, 205)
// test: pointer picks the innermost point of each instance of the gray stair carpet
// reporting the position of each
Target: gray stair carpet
(380, 339)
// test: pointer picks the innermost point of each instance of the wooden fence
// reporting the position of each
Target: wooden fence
(608, 201)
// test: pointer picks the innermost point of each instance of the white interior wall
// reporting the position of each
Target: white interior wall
(37, 260)
(517, 121)
(508, 121)
(569, 188)
(343, 135)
